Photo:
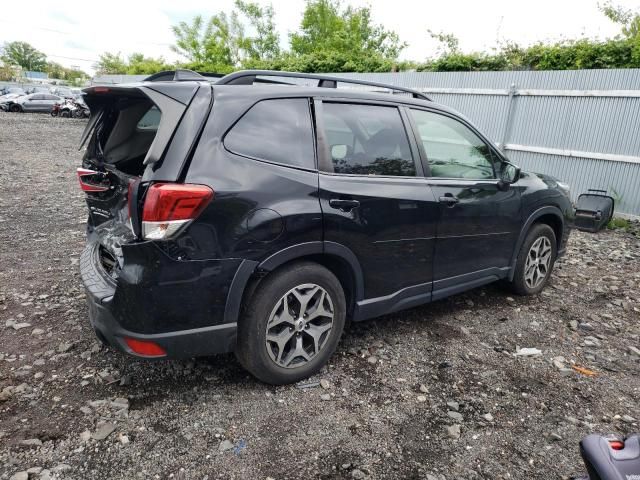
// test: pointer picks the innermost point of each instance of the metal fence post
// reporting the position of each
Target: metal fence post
(510, 112)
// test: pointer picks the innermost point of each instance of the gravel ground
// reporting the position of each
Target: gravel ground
(432, 393)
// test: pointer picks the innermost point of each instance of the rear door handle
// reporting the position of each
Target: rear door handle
(448, 200)
(344, 205)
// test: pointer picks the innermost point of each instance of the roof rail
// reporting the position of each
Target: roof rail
(248, 77)
(181, 75)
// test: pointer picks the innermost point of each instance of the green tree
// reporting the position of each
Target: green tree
(110, 64)
(628, 19)
(265, 44)
(71, 75)
(328, 26)
(7, 72)
(24, 55)
(140, 65)
(214, 45)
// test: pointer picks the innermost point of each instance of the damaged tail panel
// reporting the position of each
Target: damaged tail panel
(137, 135)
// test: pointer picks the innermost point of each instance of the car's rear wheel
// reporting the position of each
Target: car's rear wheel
(535, 260)
(292, 324)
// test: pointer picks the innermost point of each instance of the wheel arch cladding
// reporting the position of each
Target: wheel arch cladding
(548, 215)
(336, 258)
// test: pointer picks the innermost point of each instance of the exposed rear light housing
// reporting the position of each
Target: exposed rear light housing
(145, 348)
(84, 177)
(169, 207)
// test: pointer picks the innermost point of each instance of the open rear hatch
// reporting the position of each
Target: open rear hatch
(130, 146)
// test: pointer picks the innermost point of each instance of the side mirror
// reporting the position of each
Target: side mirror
(339, 152)
(509, 173)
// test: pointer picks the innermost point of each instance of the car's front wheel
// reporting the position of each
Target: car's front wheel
(15, 108)
(535, 260)
(292, 324)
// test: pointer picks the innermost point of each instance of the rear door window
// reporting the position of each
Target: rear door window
(367, 140)
(276, 130)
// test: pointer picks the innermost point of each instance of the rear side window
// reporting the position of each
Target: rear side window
(150, 120)
(367, 140)
(277, 130)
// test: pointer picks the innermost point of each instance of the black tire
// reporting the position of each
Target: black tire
(519, 283)
(15, 108)
(65, 114)
(54, 113)
(252, 347)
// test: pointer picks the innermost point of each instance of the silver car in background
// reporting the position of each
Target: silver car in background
(35, 102)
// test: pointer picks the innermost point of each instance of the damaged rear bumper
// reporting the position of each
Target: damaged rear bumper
(178, 305)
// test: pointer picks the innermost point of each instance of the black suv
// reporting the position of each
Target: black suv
(257, 215)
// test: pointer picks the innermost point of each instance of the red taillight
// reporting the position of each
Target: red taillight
(169, 206)
(143, 347)
(616, 444)
(101, 89)
(83, 177)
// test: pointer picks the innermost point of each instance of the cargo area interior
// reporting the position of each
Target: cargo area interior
(124, 134)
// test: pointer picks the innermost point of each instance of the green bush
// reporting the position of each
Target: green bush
(567, 55)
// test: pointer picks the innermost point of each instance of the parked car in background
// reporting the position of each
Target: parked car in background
(35, 102)
(40, 89)
(63, 92)
(13, 91)
(7, 100)
(255, 218)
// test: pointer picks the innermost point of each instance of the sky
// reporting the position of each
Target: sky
(74, 33)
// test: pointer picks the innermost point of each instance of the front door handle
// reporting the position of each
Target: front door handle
(344, 205)
(449, 200)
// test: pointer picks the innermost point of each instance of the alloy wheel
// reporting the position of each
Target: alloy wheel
(536, 268)
(299, 325)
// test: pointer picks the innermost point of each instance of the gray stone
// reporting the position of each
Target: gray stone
(591, 342)
(455, 415)
(453, 405)
(20, 326)
(225, 446)
(454, 432)
(628, 419)
(372, 359)
(19, 476)
(357, 474)
(62, 467)
(325, 384)
(65, 347)
(488, 417)
(32, 442)
(634, 351)
(325, 397)
(103, 431)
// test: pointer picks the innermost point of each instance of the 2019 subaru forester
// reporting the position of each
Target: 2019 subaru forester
(252, 216)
